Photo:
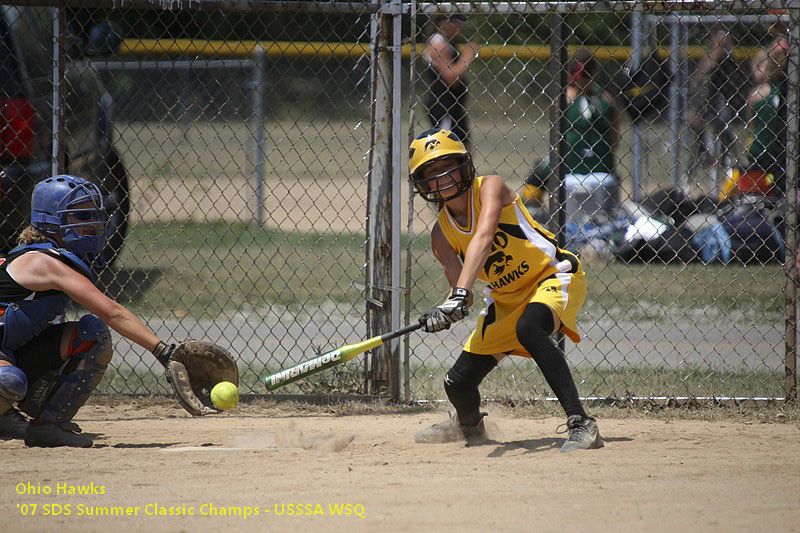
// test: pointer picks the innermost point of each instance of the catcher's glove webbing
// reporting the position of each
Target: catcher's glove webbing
(193, 368)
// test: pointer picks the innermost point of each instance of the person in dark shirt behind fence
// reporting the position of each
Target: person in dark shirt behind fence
(446, 77)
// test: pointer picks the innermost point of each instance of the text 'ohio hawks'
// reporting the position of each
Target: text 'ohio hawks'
(307, 366)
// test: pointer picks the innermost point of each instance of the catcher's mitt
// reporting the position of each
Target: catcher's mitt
(193, 368)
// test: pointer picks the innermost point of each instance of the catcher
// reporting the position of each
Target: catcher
(50, 369)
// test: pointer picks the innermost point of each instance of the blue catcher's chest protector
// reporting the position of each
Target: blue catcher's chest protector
(23, 318)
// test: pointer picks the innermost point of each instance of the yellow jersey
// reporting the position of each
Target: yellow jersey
(524, 265)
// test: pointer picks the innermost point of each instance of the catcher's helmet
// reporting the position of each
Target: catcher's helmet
(431, 146)
(54, 200)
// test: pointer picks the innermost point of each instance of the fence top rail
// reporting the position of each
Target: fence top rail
(606, 6)
(215, 5)
(765, 18)
(310, 49)
(427, 8)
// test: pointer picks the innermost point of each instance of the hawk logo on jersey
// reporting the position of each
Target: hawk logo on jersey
(498, 260)
(499, 264)
(431, 144)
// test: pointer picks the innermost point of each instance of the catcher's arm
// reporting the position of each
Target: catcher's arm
(163, 351)
(193, 368)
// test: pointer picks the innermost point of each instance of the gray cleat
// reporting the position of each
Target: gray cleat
(13, 425)
(583, 434)
(451, 431)
(55, 435)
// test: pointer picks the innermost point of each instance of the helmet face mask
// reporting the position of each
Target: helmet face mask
(71, 209)
(429, 148)
(455, 172)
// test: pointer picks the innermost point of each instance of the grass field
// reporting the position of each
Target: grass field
(200, 269)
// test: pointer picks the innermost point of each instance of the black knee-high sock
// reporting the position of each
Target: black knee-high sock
(461, 385)
(533, 331)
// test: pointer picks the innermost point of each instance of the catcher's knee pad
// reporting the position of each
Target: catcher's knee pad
(13, 383)
(92, 337)
(64, 392)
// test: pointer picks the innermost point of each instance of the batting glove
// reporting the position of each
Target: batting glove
(450, 312)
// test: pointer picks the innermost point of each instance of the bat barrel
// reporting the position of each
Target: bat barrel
(303, 370)
(333, 358)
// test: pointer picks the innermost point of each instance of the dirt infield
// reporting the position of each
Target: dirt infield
(289, 470)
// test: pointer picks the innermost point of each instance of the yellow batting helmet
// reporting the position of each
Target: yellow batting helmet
(431, 146)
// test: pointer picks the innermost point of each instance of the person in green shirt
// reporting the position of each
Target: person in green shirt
(591, 137)
(766, 109)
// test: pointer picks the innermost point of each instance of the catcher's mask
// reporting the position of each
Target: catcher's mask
(55, 210)
(434, 145)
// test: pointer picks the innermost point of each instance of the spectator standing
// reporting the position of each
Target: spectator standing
(591, 137)
(446, 76)
(766, 106)
(715, 89)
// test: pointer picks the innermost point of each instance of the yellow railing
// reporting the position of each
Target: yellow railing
(308, 49)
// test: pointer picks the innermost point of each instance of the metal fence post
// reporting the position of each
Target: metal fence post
(636, 134)
(259, 134)
(379, 203)
(683, 110)
(792, 173)
(397, 179)
(675, 98)
(58, 159)
(558, 100)
(558, 127)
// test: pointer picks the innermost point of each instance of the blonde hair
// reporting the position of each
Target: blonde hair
(31, 235)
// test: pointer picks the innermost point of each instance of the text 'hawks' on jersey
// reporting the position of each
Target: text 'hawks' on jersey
(523, 252)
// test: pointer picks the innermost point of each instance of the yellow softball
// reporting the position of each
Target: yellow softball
(225, 395)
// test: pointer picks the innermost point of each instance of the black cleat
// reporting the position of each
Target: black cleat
(55, 435)
(583, 434)
(13, 424)
(71, 426)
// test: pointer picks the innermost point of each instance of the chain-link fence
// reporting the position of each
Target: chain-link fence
(253, 158)
(671, 147)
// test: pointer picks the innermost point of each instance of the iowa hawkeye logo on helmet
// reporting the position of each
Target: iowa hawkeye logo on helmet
(434, 145)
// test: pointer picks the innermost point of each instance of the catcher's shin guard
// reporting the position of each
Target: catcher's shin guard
(64, 392)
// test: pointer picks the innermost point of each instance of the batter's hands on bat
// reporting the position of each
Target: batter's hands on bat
(451, 311)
